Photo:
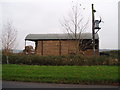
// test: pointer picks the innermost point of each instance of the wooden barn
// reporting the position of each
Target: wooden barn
(63, 44)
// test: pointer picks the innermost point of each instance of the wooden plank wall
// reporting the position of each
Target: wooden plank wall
(58, 47)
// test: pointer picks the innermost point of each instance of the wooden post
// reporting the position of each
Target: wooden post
(7, 59)
(25, 43)
(93, 29)
(36, 45)
(42, 48)
(59, 47)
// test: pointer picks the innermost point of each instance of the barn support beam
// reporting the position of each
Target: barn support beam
(25, 43)
(59, 47)
(42, 48)
(36, 44)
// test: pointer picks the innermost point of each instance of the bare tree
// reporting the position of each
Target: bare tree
(75, 25)
(9, 35)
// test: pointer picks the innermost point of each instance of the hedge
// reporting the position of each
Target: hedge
(59, 60)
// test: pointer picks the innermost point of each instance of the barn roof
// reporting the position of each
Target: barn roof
(35, 37)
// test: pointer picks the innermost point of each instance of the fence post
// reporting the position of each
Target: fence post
(7, 60)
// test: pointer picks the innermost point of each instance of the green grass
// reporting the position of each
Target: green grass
(61, 74)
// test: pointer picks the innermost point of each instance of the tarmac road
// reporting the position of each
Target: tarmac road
(14, 84)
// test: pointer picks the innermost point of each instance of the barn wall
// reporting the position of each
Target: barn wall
(38, 47)
(72, 46)
(51, 48)
(64, 47)
(59, 47)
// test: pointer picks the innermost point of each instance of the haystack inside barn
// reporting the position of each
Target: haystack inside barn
(63, 44)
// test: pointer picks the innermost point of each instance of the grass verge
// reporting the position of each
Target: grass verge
(61, 74)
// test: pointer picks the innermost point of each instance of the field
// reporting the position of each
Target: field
(61, 74)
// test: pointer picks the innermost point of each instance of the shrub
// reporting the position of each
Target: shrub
(96, 60)
(4, 59)
(59, 60)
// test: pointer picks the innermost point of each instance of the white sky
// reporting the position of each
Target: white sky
(44, 16)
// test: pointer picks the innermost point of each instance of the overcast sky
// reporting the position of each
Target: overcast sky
(44, 16)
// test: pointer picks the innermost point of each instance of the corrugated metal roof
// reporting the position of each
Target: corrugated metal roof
(33, 37)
